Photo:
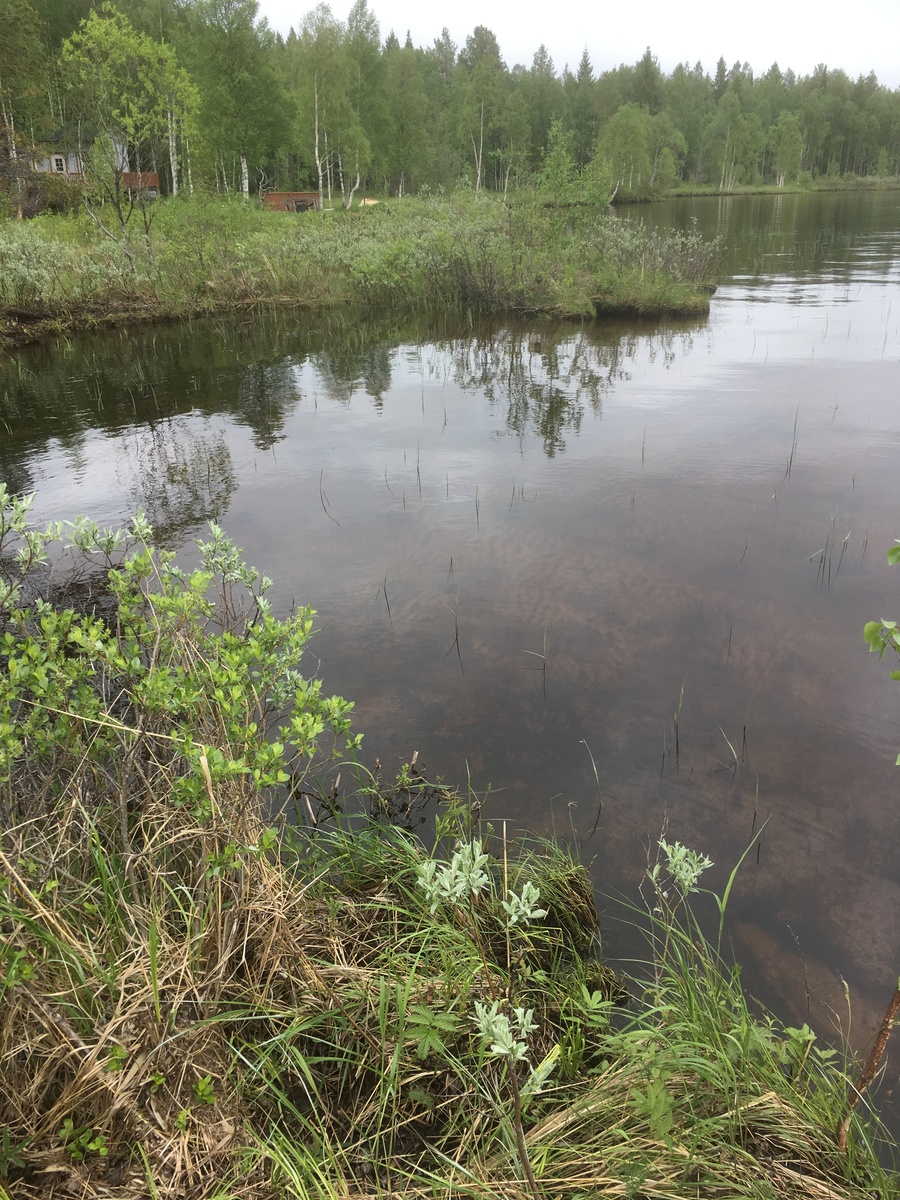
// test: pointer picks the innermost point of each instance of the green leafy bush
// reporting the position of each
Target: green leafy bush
(883, 635)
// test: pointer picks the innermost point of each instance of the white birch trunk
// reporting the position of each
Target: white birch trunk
(480, 150)
(245, 177)
(317, 154)
(10, 124)
(173, 152)
(354, 187)
(343, 187)
(328, 171)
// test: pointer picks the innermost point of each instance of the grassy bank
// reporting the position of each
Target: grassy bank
(807, 185)
(201, 999)
(207, 254)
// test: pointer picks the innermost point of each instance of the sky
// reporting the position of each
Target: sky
(859, 37)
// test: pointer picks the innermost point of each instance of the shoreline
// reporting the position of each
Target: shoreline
(23, 328)
(333, 1000)
(484, 257)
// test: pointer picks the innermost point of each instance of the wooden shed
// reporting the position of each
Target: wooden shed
(290, 201)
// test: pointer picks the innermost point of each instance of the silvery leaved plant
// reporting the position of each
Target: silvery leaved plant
(541, 1073)
(524, 907)
(684, 865)
(464, 875)
(508, 1038)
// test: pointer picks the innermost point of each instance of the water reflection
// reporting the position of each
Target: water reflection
(831, 236)
(546, 378)
(180, 476)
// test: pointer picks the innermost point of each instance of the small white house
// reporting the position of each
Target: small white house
(67, 165)
(61, 163)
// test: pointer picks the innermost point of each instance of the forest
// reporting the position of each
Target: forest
(206, 95)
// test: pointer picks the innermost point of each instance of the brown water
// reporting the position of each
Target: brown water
(622, 523)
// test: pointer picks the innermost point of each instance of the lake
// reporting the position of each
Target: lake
(536, 547)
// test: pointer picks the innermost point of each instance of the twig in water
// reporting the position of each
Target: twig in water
(735, 760)
(677, 742)
(543, 667)
(599, 793)
(324, 498)
(387, 602)
(841, 559)
(455, 645)
(790, 461)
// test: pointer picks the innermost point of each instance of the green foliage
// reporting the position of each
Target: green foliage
(430, 1029)
(24, 106)
(328, 1009)
(118, 1057)
(39, 269)
(80, 1141)
(206, 94)
(204, 1090)
(883, 635)
(786, 144)
(131, 92)
(11, 1153)
(558, 172)
(199, 654)
(683, 864)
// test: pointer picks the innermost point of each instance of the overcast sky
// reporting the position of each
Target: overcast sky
(859, 36)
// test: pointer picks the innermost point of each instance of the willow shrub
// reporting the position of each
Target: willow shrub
(42, 266)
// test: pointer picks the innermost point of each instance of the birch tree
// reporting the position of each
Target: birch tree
(22, 99)
(245, 115)
(127, 89)
(331, 125)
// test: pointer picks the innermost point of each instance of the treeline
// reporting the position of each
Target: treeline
(204, 92)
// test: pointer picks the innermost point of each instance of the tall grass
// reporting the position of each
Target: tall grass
(200, 999)
(483, 256)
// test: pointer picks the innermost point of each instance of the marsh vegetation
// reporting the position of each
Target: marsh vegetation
(462, 254)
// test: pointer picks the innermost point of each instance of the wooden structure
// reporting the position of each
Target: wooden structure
(290, 201)
(68, 165)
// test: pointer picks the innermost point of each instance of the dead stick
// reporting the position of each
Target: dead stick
(868, 1072)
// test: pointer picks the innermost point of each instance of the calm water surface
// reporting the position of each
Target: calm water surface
(623, 523)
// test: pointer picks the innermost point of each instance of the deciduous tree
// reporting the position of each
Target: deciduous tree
(127, 90)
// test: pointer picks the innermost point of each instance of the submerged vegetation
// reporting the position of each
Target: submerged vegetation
(461, 254)
(224, 973)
